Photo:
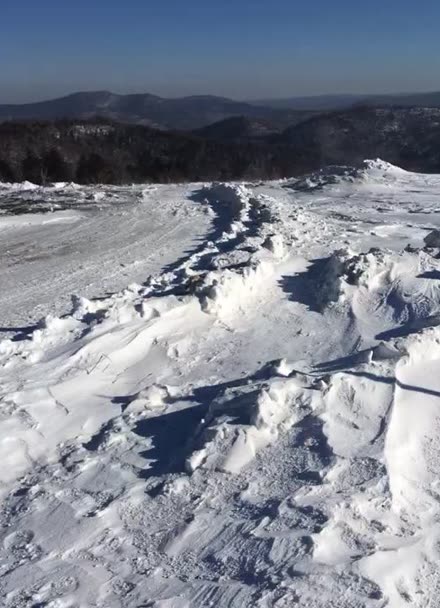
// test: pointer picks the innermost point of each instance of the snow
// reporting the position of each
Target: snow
(239, 404)
(103, 240)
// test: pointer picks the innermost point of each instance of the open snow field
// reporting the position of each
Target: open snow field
(239, 407)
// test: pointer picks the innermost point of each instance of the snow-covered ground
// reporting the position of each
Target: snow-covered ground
(253, 420)
(95, 241)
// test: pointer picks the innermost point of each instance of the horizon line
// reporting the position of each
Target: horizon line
(243, 100)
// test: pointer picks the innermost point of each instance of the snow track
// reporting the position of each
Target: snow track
(254, 424)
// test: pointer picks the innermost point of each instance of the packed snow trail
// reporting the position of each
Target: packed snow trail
(255, 424)
(95, 241)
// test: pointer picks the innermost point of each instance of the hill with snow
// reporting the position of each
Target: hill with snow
(240, 407)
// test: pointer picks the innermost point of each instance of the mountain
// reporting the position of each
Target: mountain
(246, 128)
(408, 137)
(185, 113)
(325, 103)
(312, 102)
(200, 111)
(429, 100)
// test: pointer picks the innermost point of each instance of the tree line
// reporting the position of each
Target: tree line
(103, 152)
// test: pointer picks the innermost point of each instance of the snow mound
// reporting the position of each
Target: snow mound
(230, 196)
(379, 168)
(328, 176)
(411, 449)
(370, 172)
(19, 187)
(395, 289)
(241, 422)
(226, 293)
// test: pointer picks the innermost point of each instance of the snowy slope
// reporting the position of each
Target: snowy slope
(255, 423)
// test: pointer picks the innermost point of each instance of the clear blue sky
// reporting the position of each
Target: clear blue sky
(237, 48)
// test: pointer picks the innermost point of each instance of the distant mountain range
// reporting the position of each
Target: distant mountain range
(185, 113)
(427, 100)
(198, 112)
(323, 103)
(318, 103)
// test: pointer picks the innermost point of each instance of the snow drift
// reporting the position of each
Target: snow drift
(254, 423)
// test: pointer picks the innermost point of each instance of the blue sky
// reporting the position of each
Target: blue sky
(237, 48)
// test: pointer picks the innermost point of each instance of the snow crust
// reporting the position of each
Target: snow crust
(253, 422)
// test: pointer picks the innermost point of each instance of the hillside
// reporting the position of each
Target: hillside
(409, 137)
(239, 128)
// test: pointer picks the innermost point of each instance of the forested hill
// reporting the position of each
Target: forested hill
(101, 151)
